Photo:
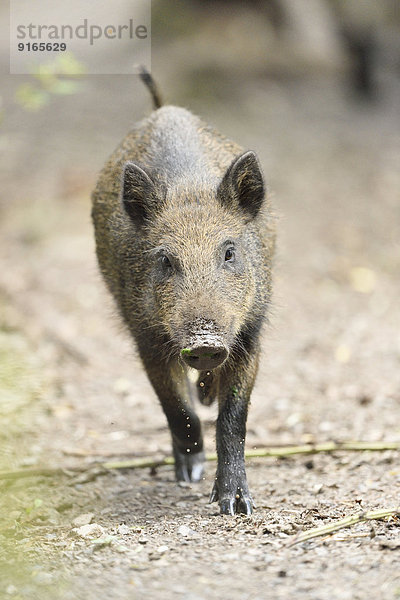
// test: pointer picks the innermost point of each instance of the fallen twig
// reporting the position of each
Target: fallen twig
(49, 472)
(273, 451)
(372, 515)
(147, 462)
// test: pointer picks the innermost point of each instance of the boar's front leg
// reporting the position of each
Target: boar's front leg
(169, 383)
(230, 487)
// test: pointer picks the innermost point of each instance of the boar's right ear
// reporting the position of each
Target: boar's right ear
(138, 192)
(243, 183)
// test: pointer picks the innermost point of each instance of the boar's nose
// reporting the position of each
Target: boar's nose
(203, 357)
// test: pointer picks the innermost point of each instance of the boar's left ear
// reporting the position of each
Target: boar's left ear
(243, 183)
(138, 192)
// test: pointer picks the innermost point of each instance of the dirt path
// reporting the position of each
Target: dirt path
(74, 392)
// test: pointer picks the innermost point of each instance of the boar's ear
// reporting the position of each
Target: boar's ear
(243, 182)
(138, 192)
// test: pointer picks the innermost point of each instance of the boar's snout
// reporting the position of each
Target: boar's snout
(204, 356)
(204, 345)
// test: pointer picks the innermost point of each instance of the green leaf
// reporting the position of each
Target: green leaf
(64, 87)
(31, 98)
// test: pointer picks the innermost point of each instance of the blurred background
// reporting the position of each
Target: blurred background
(313, 87)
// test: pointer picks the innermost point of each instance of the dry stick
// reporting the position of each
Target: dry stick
(277, 452)
(304, 536)
(143, 463)
(40, 472)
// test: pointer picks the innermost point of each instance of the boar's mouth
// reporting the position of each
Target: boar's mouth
(204, 357)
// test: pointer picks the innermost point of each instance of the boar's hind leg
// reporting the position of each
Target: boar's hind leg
(230, 486)
(184, 424)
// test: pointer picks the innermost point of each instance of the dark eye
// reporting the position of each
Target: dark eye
(229, 255)
(166, 263)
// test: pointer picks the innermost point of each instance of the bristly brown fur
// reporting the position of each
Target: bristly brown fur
(185, 242)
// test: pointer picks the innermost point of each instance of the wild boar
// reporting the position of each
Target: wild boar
(185, 242)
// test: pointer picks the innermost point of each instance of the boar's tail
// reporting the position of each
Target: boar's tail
(149, 82)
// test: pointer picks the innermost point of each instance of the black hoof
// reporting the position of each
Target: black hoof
(188, 466)
(233, 503)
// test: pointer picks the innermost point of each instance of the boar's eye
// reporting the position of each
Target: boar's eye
(229, 255)
(165, 262)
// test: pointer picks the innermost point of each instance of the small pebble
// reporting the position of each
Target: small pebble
(186, 531)
(122, 386)
(184, 484)
(123, 529)
(84, 519)
(94, 530)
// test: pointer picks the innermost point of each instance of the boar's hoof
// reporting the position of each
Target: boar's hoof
(188, 466)
(234, 503)
(204, 357)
